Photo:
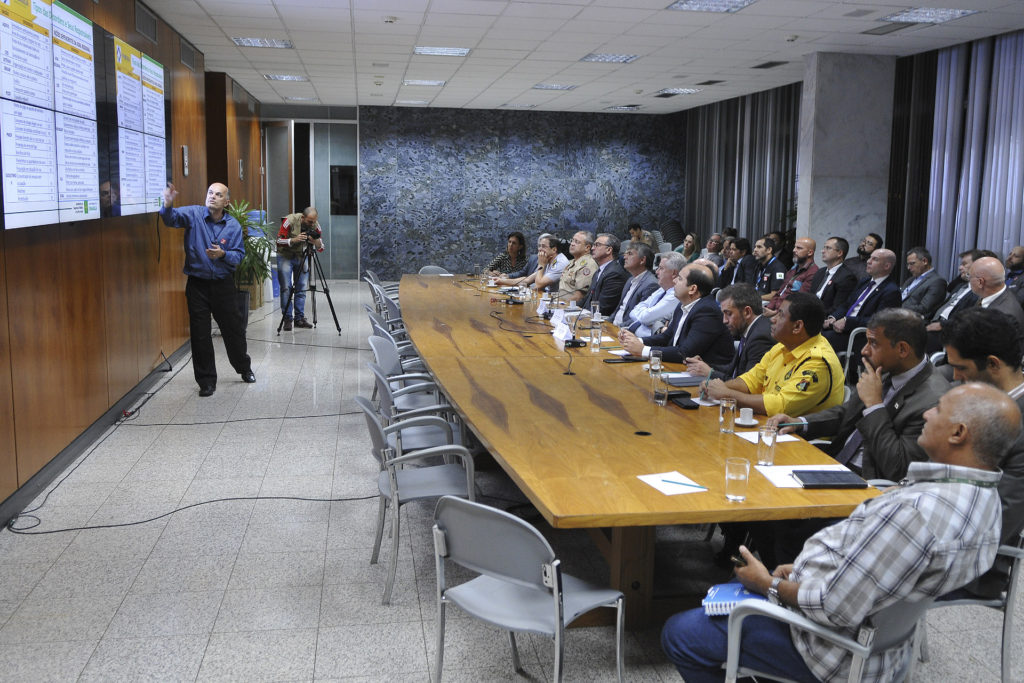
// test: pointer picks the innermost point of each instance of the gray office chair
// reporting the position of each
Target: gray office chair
(520, 586)
(1004, 603)
(398, 395)
(850, 354)
(398, 484)
(888, 628)
(433, 270)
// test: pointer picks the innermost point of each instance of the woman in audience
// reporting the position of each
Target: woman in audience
(513, 258)
(689, 247)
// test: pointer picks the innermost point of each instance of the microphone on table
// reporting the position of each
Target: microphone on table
(575, 343)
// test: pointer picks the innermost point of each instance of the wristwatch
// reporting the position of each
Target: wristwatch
(773, 591)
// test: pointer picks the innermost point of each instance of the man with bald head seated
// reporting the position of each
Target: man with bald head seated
(798, 277)
(874, 293)
(988, 282)
(936, 532)
(696, 329)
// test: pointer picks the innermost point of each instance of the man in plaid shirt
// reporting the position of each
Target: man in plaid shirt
(936, 532)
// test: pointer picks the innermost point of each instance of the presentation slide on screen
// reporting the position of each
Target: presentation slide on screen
(51, 149)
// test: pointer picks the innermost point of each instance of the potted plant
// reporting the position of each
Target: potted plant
(254, 268)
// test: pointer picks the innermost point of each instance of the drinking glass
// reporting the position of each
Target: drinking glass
(737, 471)
(766, 445)
(727, 415)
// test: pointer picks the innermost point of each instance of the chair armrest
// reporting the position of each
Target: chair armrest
(748, 608)
(435, 410)
(1011, 551)
(419, 388)
(411, 375)
(882, 483)
(419, 419)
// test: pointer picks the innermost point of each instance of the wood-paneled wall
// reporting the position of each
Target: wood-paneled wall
(87, 308)
(233, 138)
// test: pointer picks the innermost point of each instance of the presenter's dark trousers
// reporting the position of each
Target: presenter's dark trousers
(216, 298)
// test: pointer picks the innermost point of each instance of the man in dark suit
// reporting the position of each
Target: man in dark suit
(606, 287)
(960, 298)
(988, 282)
(696, 329)
(642, 283)
(859, 263)
(875, 431)
(875, 293)
(741, 313)
(770, 270)
(746, 264)
(984, 345)
(924, 291)
(834, 281)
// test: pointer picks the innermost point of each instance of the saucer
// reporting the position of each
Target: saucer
(744, 423)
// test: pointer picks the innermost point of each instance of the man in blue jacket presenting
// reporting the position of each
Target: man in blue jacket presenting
(213, 248)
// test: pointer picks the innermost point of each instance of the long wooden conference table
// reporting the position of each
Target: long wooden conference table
(576, 443)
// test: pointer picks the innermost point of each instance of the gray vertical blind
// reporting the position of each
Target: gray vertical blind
(977, 169)
(741, 163)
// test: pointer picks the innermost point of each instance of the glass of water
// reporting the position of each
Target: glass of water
(727, 415)
(737, 471)
(654, 362)
(595, 335)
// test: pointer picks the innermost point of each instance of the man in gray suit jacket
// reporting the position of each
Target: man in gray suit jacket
(988, 282)
(638, 261)
(924, 291)
(986, 346)
(875, 431)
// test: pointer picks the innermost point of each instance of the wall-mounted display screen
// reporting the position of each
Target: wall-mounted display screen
(59, 163)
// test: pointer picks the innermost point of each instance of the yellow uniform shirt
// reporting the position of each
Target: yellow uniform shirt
(805, 380)
(577, 276)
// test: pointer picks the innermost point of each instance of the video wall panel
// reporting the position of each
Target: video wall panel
(83, 119)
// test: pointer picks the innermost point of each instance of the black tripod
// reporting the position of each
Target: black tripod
(310, 263)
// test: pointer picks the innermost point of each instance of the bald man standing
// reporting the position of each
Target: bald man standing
(213, 249)
(988, 282)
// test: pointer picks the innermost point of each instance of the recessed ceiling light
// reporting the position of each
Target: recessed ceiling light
(380, 65)
(301, 99)
(413, 81)
(767, 65)
(623, 107)
(711, 82)
(615, 59)
(284, 77)
(710, 5)
(888, 27)
(263, 42)
(929, 15)
(411, 102)
(677, 91)
(441, 51)
(553, 86)
(519, 106)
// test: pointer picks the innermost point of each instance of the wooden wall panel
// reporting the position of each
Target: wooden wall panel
(8, 453)
(233, 135)
(87, 308)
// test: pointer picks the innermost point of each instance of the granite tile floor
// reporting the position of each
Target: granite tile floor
(281, 589)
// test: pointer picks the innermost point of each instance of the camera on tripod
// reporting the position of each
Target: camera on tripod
(313, 232)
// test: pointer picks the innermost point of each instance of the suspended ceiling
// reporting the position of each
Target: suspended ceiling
(359, 52)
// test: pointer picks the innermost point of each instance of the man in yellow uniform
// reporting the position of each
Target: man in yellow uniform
(799, 375)
(577, 276)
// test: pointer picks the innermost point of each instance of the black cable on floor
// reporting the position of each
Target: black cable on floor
(241, 419)
(24, 530)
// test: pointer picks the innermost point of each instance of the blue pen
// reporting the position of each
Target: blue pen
(683, 483)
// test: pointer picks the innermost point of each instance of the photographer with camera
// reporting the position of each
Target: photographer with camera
(298, 231)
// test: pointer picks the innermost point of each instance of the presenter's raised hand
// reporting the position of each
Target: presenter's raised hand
(169, 194)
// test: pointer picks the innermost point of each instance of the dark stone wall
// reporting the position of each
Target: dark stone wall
(446, 186)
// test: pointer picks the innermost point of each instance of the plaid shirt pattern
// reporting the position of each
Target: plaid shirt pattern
(924, 539)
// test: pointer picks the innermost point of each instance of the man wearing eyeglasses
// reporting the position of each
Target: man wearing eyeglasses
(611, 277)
(713, 250)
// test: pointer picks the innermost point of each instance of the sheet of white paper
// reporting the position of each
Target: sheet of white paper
(752, 437)
(782, 475)
(618, 352)
(542, 307)
(557, 318)
(705, 401)
(606, 338)
(446, 274)
(671, 483)
(562, 332)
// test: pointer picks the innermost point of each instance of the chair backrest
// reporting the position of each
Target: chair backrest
(433, 270)
(376, 429)
(896, 623)
(492, 542)
(387, 405)
(664, 247)
(850, 345)
(385, 353)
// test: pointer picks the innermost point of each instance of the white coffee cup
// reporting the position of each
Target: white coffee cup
(746, 415)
